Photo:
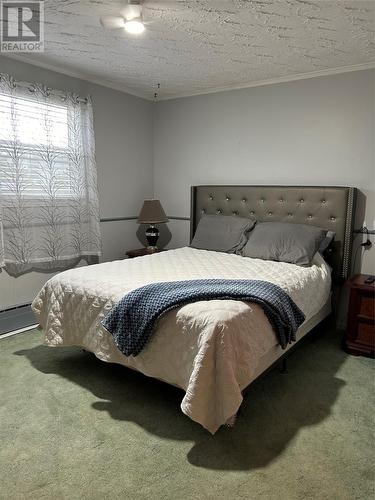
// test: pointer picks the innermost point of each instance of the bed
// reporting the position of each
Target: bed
(211, 349)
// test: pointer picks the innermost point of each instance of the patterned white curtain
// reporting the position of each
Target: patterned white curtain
(49, 211)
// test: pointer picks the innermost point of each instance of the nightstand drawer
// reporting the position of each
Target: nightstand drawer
(360, 333)
(367, 305)
(366, 333)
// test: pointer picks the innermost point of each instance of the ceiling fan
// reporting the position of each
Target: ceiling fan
(130, 18)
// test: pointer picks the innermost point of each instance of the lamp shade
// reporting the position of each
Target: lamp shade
(152, 213)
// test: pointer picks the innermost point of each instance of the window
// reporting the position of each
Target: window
(49, 210)
(35, 135)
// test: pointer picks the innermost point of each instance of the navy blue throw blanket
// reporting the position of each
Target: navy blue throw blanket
(132, 319)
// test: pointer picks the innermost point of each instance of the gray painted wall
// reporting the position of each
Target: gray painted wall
(318, 131)
(123, 134)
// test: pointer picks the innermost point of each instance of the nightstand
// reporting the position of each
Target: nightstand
(360, 332)
(142, 251)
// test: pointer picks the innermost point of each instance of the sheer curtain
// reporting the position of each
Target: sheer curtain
(49, 211)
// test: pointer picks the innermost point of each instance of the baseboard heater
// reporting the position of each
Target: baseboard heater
(16, 318)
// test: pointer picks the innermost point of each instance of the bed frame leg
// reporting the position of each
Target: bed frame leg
(284, 366)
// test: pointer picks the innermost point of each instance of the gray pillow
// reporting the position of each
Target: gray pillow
(222, 233)
(284, 242)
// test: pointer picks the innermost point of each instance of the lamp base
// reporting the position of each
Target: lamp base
(152, 235)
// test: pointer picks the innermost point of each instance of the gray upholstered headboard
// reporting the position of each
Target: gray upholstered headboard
(330, 208)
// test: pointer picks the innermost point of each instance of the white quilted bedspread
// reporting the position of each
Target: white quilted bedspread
(209, 348)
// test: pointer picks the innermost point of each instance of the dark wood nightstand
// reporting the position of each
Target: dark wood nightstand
(360, 332)
(142, 251)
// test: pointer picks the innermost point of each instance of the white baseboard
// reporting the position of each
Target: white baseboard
(9, 334)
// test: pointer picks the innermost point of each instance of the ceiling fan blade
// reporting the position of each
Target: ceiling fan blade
(112, 22)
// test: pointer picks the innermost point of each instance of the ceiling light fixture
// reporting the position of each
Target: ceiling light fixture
(134, 26)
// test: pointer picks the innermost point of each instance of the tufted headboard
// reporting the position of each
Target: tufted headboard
(331, 208)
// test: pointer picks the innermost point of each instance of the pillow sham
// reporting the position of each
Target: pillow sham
(222, 233)
(284, 242)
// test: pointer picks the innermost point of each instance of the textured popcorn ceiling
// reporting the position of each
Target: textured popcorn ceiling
(197, 46)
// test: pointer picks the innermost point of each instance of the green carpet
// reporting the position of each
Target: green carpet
(74, 427)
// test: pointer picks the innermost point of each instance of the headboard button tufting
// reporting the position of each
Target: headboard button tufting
(311, 205)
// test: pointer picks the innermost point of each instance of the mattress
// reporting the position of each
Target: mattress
(210, 349)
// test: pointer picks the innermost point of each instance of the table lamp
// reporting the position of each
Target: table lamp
(152, 213)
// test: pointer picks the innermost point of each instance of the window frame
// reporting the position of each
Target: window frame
(66, 194)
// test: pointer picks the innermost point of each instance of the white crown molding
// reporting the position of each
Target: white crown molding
(259, 83)
(77, 74)
(271, 81)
